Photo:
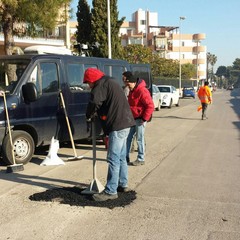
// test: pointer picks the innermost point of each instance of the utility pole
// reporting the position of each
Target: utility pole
(109, 30)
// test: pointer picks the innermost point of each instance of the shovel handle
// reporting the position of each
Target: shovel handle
(68, 124)
(9, 127)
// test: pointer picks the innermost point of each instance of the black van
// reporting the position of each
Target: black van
(32, 84)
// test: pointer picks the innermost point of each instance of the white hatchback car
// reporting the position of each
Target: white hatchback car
(169, 95)
(156, 97)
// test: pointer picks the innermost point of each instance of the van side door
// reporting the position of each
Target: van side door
(42, 115)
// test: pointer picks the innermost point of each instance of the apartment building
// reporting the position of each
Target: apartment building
(136, 31)
(165, 40)
(188, 49)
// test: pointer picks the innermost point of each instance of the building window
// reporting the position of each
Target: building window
(143, 22)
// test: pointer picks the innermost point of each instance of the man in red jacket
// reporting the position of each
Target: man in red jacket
(142, 107)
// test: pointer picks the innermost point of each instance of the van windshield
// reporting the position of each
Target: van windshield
(11, 71)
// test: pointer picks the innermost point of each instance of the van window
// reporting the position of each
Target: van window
(86, 66)
(75, 76)
(11, 71)
(115, 72)
(45, 76)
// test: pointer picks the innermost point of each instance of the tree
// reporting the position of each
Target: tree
(235, 72)
(222, 71)
(188, 71)
(84, 22)
(137, 53)
(100, 28)
(33, 13)
(223, 75)
(160, 67)
(211, 59)
(236, 64)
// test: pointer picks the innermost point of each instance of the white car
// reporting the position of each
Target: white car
(169, 95)
(156, 97)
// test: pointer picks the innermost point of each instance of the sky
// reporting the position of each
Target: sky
(218, 19)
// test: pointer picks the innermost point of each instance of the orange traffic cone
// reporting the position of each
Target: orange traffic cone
(199, 108)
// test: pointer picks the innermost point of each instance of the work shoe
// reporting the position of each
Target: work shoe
(138, 163)
(103, 196)
(123, 189)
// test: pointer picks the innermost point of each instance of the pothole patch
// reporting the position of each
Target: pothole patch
(73, 196)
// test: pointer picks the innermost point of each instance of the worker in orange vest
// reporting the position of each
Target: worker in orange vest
(205, 96)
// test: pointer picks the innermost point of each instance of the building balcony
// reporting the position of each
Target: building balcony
(198, 61)
(199, 36)
(199, 49)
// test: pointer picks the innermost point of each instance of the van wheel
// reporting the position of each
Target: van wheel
(158, 107)
(23, 147)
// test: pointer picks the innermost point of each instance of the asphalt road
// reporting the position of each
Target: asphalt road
(188, 189)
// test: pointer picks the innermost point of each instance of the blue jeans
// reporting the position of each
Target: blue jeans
(117, 164)
(139, 129)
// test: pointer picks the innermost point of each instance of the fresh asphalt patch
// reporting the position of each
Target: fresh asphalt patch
(73, 197)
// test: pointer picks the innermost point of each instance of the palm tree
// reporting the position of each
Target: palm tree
(211, 59)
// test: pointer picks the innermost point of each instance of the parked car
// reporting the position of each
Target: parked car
(188, 92)
(156, 96)
(169, 95)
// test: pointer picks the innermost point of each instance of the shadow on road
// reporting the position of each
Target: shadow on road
(33, 180)
(175, 117)
(235, 101)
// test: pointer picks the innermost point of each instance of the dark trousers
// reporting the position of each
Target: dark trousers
(204, 110)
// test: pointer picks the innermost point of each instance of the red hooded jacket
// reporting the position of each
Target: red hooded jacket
(140, 101)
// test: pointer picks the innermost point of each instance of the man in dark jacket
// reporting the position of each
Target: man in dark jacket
(111, 105)
(142, 107)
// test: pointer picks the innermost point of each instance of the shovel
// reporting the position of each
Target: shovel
(69, 130)
(95, 186)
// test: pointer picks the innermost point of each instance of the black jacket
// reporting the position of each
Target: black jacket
(111, 105)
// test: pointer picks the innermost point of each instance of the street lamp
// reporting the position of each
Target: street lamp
(180, 67)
